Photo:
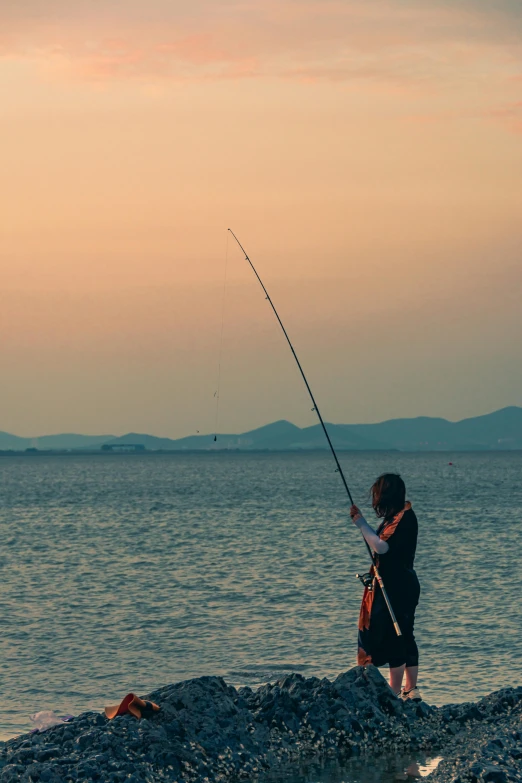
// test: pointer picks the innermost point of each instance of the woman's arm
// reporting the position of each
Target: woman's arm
(379, 546)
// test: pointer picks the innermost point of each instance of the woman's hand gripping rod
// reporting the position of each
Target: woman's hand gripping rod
(316, 409)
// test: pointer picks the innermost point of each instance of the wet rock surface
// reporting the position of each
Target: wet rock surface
(208, 730)
(487, 745)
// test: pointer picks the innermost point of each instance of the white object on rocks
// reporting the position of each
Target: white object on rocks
(46, 719)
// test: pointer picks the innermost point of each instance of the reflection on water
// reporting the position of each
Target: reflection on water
(421, 770)
(126, 573)
(385, 769)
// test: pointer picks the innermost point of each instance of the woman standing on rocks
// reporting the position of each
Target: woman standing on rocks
(394, 544)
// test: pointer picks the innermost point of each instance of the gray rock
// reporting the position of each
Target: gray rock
(208, 731)
(494, 775)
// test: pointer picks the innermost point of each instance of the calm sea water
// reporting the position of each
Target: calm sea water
(124, 573)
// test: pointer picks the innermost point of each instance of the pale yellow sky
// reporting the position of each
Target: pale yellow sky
(368, 155)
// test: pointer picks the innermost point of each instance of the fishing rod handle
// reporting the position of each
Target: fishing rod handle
(387, 600)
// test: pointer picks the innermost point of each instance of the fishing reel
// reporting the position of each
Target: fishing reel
(366, 580)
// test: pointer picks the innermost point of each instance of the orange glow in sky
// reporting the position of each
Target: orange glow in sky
(368, 153)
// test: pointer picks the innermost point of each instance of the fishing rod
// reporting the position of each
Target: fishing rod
(339, 469)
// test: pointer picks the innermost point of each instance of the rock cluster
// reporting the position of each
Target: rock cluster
(487, 746)
(208, 730)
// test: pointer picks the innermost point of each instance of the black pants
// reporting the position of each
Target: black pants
(407, 651)
(381, 640)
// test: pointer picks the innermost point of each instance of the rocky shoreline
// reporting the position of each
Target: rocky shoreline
(209, 731)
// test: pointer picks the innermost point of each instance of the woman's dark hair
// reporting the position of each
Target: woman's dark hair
(388, 495)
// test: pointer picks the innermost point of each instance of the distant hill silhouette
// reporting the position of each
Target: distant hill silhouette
(498, 431)
(13, 442)
(45, 442)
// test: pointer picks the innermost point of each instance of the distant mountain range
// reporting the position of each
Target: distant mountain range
(498, 431)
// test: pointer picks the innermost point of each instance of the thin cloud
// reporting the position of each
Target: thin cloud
(510, 115)
(383, 41)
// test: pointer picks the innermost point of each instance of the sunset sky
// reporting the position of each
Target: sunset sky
(368, 154)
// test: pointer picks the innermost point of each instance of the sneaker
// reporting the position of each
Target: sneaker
(411, 695)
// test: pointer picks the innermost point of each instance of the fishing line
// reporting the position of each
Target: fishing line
(323, 425)
(217, 392)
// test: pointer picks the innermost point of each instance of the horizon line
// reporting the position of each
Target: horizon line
(261, 426)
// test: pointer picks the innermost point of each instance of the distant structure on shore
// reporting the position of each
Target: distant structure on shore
(122, 448)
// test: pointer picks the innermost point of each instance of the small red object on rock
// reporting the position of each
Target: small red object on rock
(133, 704)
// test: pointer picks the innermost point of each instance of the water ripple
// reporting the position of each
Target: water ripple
(132, 572)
